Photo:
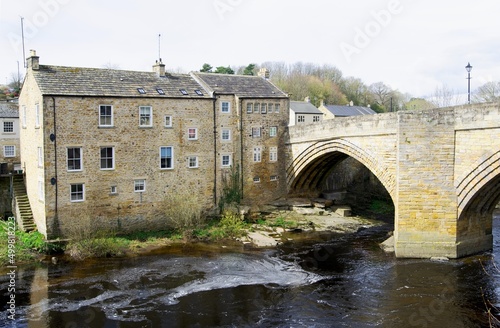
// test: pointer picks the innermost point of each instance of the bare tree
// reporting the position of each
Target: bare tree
(488, 92)
(445, 97)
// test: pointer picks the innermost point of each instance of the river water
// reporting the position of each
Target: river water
(324, 280)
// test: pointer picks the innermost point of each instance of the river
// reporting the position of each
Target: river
(324, 280)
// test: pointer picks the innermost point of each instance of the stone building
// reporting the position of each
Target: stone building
(9, 137)
(110, 145)
(303, 112)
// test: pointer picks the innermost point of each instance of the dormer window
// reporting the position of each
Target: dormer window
(141, 91)
(184, 92)
(160, 91)
(198, 92)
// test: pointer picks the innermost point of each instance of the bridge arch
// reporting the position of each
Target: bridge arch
(312, 165)
(478, 190)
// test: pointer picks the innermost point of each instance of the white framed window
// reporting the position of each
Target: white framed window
(316, 118)
(225, 107)
(301, 118)
(273, 131)
(249, 108)
(9, 151)
(263, 108)
(145, 116)
(166, 157)
(256, 179)
(24, 117)
(37, 116)
(273, 154)
(74, 159)
(77, 192)
(256, 132)
(226, 160)
(226, 134)
(273, 178)
(168, 121)
(105, 115)
(107, 158)
(8, 126)
(257, 154)
(256, 108)
(192, 133)
(40, 157)
(270, 108)
(276, 108)
(139, 185)
(114, 190)
(193, 162)
(41, 190)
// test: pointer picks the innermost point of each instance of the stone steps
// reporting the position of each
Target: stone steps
(27, 222)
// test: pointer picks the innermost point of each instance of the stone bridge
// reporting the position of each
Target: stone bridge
(441, 168)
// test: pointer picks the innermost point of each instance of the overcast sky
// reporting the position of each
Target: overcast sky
(411, 45)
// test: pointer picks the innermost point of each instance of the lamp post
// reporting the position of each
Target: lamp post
(468, 68)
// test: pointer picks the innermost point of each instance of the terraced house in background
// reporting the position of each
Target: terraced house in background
(111, 144)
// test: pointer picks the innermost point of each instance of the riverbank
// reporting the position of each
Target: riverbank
(259, 227)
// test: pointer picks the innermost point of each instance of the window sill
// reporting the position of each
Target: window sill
(106, 127)
(145, 127)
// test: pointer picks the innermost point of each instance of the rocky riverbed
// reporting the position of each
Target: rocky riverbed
(299, 216)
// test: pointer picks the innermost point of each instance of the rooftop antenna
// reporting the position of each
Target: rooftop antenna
(22, 36)
(159, 47)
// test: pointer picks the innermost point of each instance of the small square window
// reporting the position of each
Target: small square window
(301, 118)
(114, 190)
(198, 92)
(160, 91)
(183, 92)
(77, 193)
(225, 107)
(139, 185)
(273, 131)
(273, 178)
(256, 132)
(193, 162)
(192, 134)
(226, 160)
(168, 121)
(263, 109)
(141, 91)
(226, 134)
(9, 151)
(8, 127)
(256, 179)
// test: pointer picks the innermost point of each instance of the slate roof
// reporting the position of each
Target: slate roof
(9, 110)
(349, 110)
(304, 107)
(80, 81)
(244, 86)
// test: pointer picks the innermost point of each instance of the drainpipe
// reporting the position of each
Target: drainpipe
(215, 148)
(241, 148)
(54, 181)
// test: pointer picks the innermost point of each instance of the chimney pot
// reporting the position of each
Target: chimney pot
(33, 61)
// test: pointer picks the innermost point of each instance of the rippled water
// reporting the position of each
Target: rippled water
(323, 281)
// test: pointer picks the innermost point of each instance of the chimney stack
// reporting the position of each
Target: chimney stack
(159, 68)
(264, 73)
(33, 61)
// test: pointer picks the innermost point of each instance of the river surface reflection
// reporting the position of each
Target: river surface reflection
(327, 281)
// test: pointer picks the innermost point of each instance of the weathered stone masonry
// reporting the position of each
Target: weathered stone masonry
(441, 168)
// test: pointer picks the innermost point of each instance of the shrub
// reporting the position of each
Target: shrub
(183, 210)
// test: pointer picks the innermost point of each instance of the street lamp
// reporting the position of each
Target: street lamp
(468, 68)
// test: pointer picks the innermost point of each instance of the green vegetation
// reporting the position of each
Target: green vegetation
(285, 224)
(28, 245)
(381, 207)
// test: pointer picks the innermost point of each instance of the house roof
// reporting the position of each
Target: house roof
(349, 110)
(79, 81)
(304, 107)
(244, 86)
(9, 110)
